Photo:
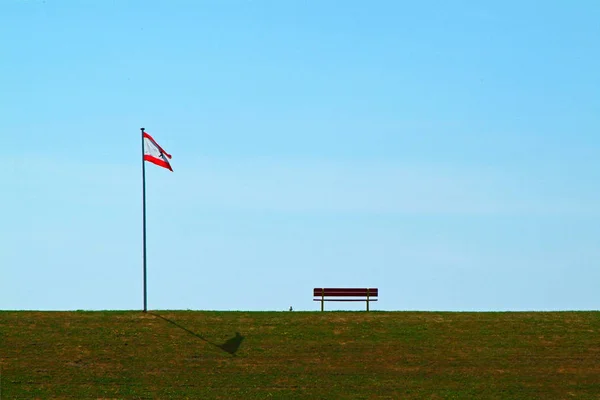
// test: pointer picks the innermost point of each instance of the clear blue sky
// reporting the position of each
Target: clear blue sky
(444, 152)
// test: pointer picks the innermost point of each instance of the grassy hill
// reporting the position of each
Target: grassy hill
(293, 355)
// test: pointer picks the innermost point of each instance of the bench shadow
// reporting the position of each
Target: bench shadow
(230, 346)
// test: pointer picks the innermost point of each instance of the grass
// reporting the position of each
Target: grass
(299, 355)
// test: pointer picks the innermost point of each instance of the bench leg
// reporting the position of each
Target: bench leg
(368, 305)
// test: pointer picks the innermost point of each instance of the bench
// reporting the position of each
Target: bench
(356, 294)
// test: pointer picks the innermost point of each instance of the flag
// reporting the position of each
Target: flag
(155, 154)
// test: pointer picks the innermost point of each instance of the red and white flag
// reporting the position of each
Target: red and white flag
(155, 154)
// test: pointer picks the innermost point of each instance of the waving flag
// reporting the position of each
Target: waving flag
(154, 153)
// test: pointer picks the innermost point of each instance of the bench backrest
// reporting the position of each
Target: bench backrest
(346, 292)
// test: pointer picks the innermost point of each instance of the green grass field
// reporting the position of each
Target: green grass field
(299, 355)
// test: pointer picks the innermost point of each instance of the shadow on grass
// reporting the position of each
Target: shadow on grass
(231, 346)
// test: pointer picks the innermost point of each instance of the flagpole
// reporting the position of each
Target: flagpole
(144, 220)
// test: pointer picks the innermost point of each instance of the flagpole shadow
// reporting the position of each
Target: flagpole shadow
(231, 346)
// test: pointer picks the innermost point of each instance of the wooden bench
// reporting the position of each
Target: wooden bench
(357, 294)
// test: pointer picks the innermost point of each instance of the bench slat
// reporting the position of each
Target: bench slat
(372, 292)
(344, 300)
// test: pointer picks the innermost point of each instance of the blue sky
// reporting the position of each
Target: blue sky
(444, 152)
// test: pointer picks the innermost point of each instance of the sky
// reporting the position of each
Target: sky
(443, 152)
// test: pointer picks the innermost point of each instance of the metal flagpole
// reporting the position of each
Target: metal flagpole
(144, 220)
